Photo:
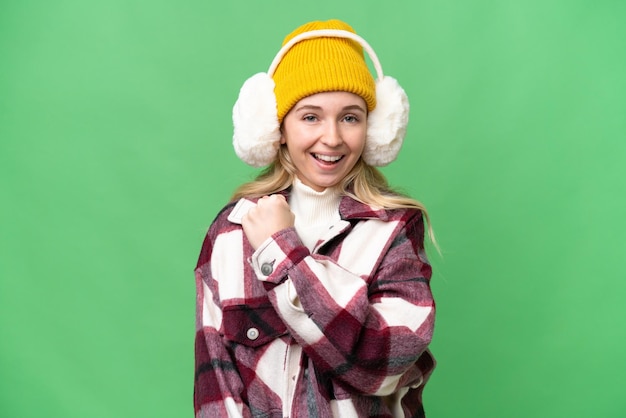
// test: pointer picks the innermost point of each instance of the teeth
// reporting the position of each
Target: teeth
(328, 158)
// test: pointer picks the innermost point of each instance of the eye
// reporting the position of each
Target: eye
(351, 118)
(309, 118)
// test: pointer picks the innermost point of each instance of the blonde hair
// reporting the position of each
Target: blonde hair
(363, 183)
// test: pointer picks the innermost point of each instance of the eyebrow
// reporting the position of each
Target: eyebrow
(318, 108)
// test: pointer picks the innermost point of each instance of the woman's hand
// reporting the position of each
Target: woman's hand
(270, 215)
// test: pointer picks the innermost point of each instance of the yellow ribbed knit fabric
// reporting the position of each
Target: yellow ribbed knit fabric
(322, 64)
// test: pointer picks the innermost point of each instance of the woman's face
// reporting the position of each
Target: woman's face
(325, 135)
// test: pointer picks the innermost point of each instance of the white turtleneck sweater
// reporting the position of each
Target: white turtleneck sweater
(315, 211)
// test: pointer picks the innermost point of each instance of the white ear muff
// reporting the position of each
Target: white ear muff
(386, 124)
(257, 132)
(256, 136)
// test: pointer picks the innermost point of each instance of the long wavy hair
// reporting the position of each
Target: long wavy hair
(363, 183)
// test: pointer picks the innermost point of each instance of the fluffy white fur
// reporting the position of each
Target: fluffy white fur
(257, 133)
(386, 124)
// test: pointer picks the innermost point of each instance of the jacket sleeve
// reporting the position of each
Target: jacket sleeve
(365, 332)
(217, 385)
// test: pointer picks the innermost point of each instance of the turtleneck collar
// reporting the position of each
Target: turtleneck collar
(315, 211)
(312, 207)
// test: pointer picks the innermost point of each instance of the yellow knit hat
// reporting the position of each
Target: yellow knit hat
(322, 64)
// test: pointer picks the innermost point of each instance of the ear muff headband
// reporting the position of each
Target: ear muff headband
(257, 134)
(326, 33)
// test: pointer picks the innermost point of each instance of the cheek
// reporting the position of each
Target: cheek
(358, 144)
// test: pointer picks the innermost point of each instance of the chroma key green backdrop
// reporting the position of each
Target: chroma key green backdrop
(115, 155)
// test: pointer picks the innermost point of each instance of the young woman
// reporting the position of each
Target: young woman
(313, 296)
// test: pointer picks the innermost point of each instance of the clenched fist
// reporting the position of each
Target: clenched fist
(270, 215)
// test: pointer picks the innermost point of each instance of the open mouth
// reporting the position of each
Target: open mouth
(328, 159)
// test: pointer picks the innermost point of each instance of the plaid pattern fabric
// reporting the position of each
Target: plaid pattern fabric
(340, 331)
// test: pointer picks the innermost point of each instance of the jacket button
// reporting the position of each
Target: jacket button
(252, 333)
(266, 268)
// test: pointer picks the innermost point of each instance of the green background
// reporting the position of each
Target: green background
(115, 155)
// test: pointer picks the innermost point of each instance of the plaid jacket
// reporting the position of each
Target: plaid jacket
(340, 331)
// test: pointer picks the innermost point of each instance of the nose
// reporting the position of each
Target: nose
(332, 135)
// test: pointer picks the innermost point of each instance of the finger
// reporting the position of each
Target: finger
(279, 200)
